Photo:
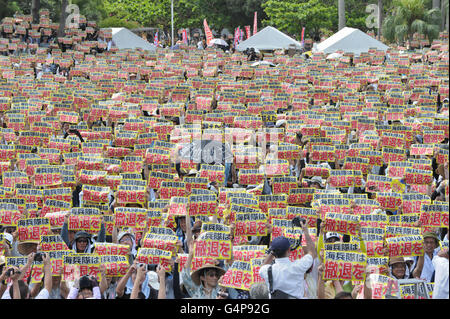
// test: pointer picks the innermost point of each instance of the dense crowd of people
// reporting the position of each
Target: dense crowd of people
(190, 173)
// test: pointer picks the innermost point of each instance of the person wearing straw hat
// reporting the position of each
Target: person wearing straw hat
(27, 247)
(203, 283)
(398, 268)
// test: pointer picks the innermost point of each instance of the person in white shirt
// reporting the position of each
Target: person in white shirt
(440, 263)
(288, 277)
(423, 268)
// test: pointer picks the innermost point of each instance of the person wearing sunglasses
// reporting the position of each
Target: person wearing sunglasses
(203, 283)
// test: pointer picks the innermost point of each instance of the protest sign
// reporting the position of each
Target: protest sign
(115, 265)
(272, 201)
(344, 266)
(248, 252)
(309, 214)
(31, 229)
(396, 231)
(78, 265)
(213, 244)
(130, 217)
(344, 178)
(378, 183)
(52, 243)
(169, 189)
(86, 219)
(109, 249)
(434, 215)
(341, 223)
(131, 194)
(406, 220)
(250, 224)
(405, 246)
(56, 218)
(154, 256)
(238, 276)
(418, 176)
(202, 205)
(300, 195)
(389, 201)
(381, 285)
(164, 242)
(35, 273)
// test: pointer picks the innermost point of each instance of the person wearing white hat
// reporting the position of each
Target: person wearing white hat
(331, 237)
(128, 238)
(317, 182)
(8, 239)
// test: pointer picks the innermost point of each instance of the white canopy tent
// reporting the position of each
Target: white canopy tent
(269, 38)
(350, 40)
(125, 39)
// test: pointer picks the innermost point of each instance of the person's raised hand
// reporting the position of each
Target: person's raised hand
(102, 269)
(16, 274)
(141, 271)
(161, 271)
(46, 259)
(30, 258)
(320, 269)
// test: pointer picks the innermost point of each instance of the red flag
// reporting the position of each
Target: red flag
(236, 36)
(185, 37)
(248, 31)
(208, 32)
(255, 23)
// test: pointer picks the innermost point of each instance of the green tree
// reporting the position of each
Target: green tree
(291, 15)
(8, 8)
(408, 17)
(187, 13)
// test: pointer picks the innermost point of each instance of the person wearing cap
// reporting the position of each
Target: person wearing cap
(331, 237)
(424, 268)
(288, 276)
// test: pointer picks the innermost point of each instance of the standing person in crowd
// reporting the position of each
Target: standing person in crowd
(424, 268)
(285, 276)
(441, 283)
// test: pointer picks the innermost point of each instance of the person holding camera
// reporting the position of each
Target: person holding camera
(286, 279)
(18, 289)
(85, 287)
